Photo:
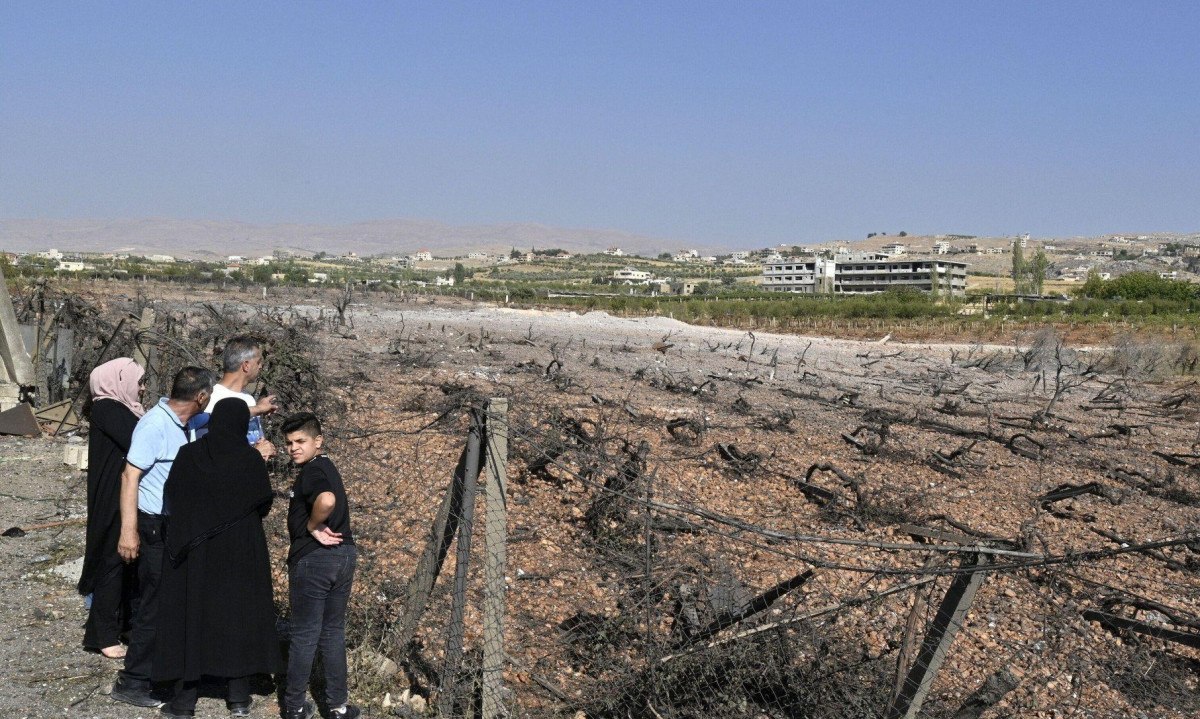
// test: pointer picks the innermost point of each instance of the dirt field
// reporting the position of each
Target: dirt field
(663, 475)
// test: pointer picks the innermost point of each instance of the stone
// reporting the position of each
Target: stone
(377, 663)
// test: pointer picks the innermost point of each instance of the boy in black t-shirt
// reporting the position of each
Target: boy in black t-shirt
(320, 571)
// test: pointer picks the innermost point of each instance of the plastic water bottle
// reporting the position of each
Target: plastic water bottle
(255, 432)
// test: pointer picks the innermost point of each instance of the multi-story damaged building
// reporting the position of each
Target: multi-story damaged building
(864, 273)
(806, 275)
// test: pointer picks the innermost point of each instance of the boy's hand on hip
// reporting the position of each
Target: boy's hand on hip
(326, 536)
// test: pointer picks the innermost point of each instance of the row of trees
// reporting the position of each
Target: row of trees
(1029, 276)
(1138, 286)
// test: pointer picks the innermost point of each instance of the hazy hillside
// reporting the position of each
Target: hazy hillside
(203, 237)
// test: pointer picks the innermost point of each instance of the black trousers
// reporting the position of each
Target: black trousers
(237, 691)
(110, 603)
(140, 654)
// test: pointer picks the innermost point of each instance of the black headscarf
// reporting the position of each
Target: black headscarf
(215, 482)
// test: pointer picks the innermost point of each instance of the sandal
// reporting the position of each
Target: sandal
(116, 651)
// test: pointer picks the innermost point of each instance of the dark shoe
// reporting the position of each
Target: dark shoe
(168, 713)
(347, 712)
(239, 709)
(138, 697)
(305, 712)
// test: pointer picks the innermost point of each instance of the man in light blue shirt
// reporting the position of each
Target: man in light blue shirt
(156, 439)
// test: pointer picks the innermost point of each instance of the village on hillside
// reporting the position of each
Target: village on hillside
(943, 265)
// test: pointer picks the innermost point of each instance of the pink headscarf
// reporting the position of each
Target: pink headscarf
(118, 379)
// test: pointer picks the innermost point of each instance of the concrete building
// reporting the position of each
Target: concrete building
(615, 252)
(806, 275)
(894, 249)
(630, 276)
(422, 256)
(69, 266)
(941, 247)
(864, 273)
(933, 276)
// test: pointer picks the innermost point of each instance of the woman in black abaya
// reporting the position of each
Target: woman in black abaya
(216, 605)
(115, 387)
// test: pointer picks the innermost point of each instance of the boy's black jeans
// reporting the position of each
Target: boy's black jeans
(319, 588)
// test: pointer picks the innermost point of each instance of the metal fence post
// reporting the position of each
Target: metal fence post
(495, 537)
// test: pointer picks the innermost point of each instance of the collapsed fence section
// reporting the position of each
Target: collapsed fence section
(637, 601)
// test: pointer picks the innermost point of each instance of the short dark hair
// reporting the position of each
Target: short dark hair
(238, 350)
(305, 422)
(191, 381)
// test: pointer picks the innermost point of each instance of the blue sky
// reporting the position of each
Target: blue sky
(735, 123)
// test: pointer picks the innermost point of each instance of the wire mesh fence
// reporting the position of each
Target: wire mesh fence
(639, 599)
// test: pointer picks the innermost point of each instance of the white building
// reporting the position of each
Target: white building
(235, 259)
(807, 275)
(477, 255)
(65, 266)
(50, 254)
(440, 281)
(422, 256)
(739, 255)
(941, 247)
(895, 249)
(864, 273)
(165, 259)
(630, 276)
(615, 252)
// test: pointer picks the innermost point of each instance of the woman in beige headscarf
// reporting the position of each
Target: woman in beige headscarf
(116, 388)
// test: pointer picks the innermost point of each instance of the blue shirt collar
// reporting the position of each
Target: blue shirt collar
(162, 402)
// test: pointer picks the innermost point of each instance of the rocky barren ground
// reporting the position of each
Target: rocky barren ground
(663, 477)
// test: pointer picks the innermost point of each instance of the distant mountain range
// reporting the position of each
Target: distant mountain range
(202, 239)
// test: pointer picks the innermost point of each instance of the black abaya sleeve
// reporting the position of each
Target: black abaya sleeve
(116, 425)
